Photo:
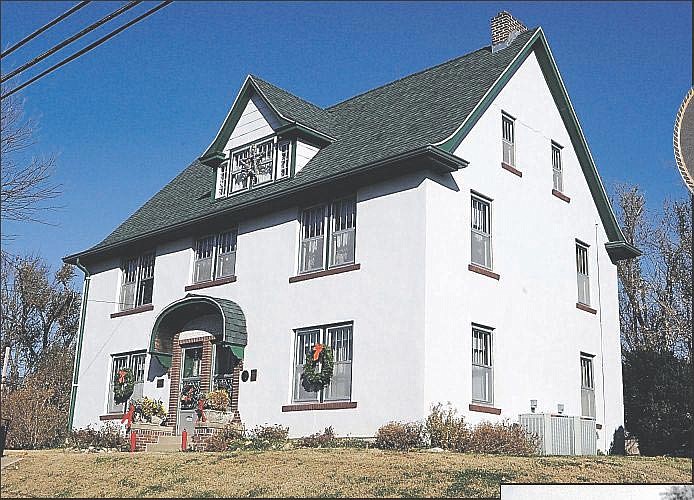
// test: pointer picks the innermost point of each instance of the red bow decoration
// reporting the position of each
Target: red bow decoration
(121, 376)
(316, 351)
(128, 417)
(201, 412)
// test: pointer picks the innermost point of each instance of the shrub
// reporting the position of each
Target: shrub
(228, 439)
(218, 400)
(272, 433)
(444, 429)
(107, 436)
(399, 436)
(502, 438)
(38, 406)
(325, 439)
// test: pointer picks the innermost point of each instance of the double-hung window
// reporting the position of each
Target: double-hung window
(137, 281)
(339, 339)
(482, 371)
(557, 179)
(328, 235)
(215, 256)
(481, 235)
(587, 386)
(136, 363)
(582, 276)
(508, 143)
(254, 164)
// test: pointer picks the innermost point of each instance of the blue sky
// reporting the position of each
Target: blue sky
(130, 115)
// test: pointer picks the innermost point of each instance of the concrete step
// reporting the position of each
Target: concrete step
(170, 440)
(165, 444)
(162, 447)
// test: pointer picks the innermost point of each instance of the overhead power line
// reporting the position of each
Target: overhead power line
(86, 49)
(36, 33)
(68, 41)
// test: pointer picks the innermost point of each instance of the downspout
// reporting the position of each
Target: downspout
(80, 337)
(602, 353)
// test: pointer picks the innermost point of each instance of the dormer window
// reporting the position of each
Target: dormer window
(254, 164)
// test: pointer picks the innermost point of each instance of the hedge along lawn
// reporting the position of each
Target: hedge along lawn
(314, 473)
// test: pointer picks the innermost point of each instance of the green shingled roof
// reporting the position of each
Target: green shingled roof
(410, 114)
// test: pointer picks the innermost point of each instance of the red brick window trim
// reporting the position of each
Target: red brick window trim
(207, 284)
(481, 270)
(338, 405)
(134, 310)
(327, 272)
(511, 169)
(485, 409)
(561, 196)
(586, 308)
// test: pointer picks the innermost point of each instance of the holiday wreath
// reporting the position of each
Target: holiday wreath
(190, 394)
(315, 380)
(123, 385)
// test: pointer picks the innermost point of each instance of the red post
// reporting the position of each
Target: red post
(133, 440)
(184, 440)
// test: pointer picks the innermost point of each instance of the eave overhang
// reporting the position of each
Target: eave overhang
(427, 157)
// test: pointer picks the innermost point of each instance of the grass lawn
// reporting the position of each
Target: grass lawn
(313, 472)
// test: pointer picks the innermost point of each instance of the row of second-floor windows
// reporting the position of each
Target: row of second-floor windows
(327, 236)
(481, 245)
(508, 151)
(483, 372)
(255, 164)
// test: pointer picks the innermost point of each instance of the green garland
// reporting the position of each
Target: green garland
(123, 390)
(313, 380)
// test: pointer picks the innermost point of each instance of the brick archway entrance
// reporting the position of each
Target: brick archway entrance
(201, 341)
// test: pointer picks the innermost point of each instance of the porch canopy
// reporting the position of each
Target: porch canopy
(177, 314)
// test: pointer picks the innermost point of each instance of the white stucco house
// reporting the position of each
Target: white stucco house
(447, 234)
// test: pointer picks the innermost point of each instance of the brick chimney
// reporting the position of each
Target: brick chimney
(505, 29)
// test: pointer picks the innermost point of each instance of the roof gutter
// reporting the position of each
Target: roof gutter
(441, 160)
(80, 338)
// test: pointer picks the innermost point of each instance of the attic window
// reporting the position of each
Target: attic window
(252, 165)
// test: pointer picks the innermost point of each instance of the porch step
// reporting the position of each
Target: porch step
(165, 443)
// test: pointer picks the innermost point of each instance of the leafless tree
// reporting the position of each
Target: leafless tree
(40, 312)
(655, 292)
(26, 179)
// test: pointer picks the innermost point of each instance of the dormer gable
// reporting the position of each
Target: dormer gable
(261, 140)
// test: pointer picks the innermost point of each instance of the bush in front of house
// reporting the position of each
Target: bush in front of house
(501, 438)
(443, 428)
(400, 436)
(108, 436)
(229, 438)
(272, 433)
(325, 439)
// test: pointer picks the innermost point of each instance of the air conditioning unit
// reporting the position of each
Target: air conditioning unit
(562, 434)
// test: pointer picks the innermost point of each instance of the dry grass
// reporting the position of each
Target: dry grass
(314, 473)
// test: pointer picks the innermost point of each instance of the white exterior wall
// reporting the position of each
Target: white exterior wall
(539, 333)
(304, 153)
(256, 122)
(384, 299)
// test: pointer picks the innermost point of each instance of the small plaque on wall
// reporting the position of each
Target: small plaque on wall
(244, 376)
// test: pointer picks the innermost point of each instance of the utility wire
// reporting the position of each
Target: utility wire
(68, 41)
(86, 49)
(36, 33)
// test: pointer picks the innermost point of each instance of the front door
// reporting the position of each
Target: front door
(191, 358)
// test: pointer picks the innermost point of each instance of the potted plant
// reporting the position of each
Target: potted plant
(150, 411)
(218, 407)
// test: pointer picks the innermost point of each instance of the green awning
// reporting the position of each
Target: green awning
(175, 315)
